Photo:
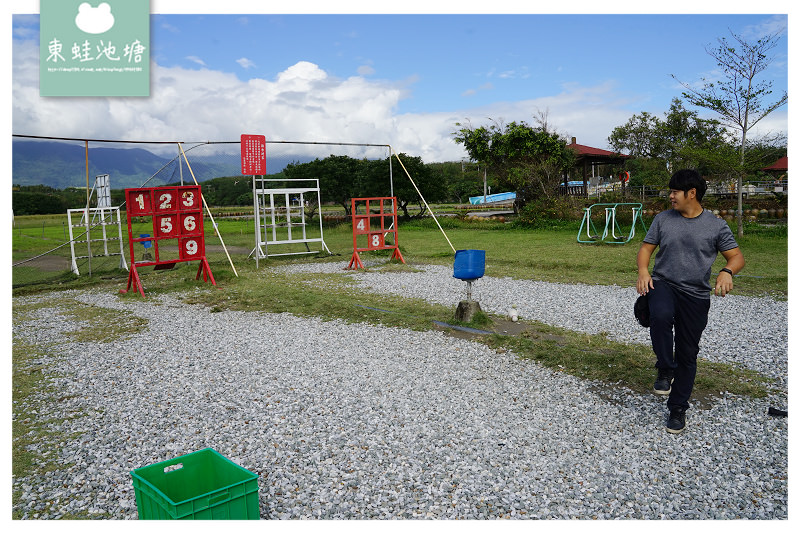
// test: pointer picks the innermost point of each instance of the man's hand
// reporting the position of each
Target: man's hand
(644, 283)
(735, 262)
(724, 284)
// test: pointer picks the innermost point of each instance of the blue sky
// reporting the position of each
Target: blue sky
(453, 62)
(393, 79)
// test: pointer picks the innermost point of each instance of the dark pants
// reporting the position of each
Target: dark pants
(672, 309)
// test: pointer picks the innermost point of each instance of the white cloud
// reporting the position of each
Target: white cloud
(301, 103)
(488, 86)
(366, 70)
(195, 59)
(245, 63)
(170, 28)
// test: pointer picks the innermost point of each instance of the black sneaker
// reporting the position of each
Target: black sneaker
(677, 420)
(663, 384)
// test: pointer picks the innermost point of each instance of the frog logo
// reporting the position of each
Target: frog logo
(94, 20)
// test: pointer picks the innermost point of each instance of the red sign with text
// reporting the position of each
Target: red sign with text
(254, 155)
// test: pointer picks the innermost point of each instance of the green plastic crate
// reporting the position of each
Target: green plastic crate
(202, 485)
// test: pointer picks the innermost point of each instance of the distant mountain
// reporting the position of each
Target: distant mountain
(63, 164)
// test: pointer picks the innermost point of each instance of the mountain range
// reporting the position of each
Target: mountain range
(63, 164)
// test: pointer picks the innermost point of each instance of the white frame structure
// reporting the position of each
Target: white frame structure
(102, 186)
(269, 215)
(106, 217)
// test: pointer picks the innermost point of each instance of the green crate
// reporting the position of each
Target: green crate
(202, 485)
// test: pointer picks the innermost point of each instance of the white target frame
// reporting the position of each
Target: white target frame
(100, 216)
(278, 222)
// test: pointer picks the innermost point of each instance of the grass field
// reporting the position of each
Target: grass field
(548, 255)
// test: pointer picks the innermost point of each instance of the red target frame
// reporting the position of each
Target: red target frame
(176, 236)
(373, 225)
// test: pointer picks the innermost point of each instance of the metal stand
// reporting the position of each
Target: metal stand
(611, 227)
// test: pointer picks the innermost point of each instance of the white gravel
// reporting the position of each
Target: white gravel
(357, 421)
(751, 332)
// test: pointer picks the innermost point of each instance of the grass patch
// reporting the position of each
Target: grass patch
(509, 253)
(30, 387)
(28, 383)
(31, 383)
(102, 324)
(548, 255)
(327, 296)
(480, 320)
(597, 358)
(335, 296)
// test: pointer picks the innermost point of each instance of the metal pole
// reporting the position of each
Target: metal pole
(391, 182)
(484, 185)
(88, 226)
(256, 220)
(208, 211)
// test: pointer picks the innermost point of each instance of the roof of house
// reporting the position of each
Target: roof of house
(780, 164)
(583, 150)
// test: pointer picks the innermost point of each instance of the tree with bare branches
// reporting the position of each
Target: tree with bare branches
(737, 97)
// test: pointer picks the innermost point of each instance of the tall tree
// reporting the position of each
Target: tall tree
(737, 97)
(530, 160)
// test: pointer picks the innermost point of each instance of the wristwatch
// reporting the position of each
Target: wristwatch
(728, 270)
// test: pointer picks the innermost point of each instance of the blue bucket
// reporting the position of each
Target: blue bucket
(469, 264)
(146, 244)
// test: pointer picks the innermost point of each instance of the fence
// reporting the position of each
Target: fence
(41, 251)
(716, 189)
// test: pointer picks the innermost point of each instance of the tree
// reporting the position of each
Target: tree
(338, 177)
(674, 140)
(342, 177)
(530, 160)
(737, 98)
(432, 189)
(460, 179)
(683, 133)
(635, 137)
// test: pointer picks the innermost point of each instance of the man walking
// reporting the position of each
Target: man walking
(678, 292)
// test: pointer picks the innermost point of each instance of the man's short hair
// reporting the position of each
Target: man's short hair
(686, 179)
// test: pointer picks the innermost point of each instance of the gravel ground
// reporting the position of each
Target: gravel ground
(349, 421)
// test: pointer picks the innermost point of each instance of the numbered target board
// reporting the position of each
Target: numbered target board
(165, 227)
(374, 227)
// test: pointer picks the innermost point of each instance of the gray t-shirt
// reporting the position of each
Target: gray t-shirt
(687, 248)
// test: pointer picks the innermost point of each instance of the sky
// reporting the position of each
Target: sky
(360, 76)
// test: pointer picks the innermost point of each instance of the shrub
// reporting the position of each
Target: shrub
(544, 212)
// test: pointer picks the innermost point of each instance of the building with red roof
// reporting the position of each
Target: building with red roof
(590, 162)
(779, 166)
